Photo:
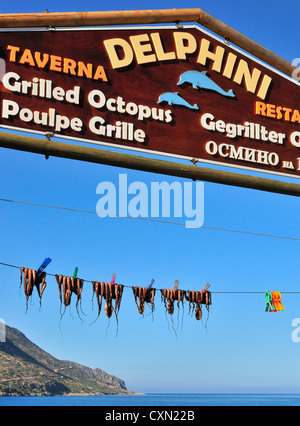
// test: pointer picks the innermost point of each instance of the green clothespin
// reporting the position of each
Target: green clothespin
(75, 273)
(269, 302)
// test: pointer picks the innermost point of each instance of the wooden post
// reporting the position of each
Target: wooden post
(74, 19)
(93, 155)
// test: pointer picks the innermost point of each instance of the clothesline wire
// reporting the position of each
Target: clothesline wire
(257, 234)
(213, 292)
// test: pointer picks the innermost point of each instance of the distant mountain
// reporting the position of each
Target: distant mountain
(27, 370)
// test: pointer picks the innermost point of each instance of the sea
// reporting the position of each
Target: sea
(156, 400)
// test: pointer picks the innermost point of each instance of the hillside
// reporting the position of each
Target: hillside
(27, 370)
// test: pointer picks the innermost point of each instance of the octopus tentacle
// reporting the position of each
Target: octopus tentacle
(44, 285)
(29, 284)
(59, 283)
(25, 281)
(21, 275)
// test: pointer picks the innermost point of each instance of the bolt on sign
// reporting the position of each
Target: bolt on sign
(175, 91)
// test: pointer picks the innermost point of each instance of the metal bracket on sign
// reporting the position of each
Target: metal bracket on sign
(48, 136)
(50, 27)
(179, 25)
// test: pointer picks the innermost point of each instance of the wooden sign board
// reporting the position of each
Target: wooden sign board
(175, 91)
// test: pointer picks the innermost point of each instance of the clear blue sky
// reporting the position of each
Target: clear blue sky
(243, 348)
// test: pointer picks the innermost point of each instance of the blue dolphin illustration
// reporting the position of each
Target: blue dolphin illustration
(200, 80)
(175, 99)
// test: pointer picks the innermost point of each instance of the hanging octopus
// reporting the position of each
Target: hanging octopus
(31, 280)
(170, 296)
(67, 286)
(109, 293)
(196, 299)
(144, 295)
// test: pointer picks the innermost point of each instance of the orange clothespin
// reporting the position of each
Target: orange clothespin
(279, 301)
(276, 296)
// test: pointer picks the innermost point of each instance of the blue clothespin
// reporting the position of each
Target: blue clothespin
(150, 285)
(113, 279)
(43, 266)
(75, 273)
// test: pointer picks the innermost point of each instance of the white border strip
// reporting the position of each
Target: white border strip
(162, 27)
(149, 152)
